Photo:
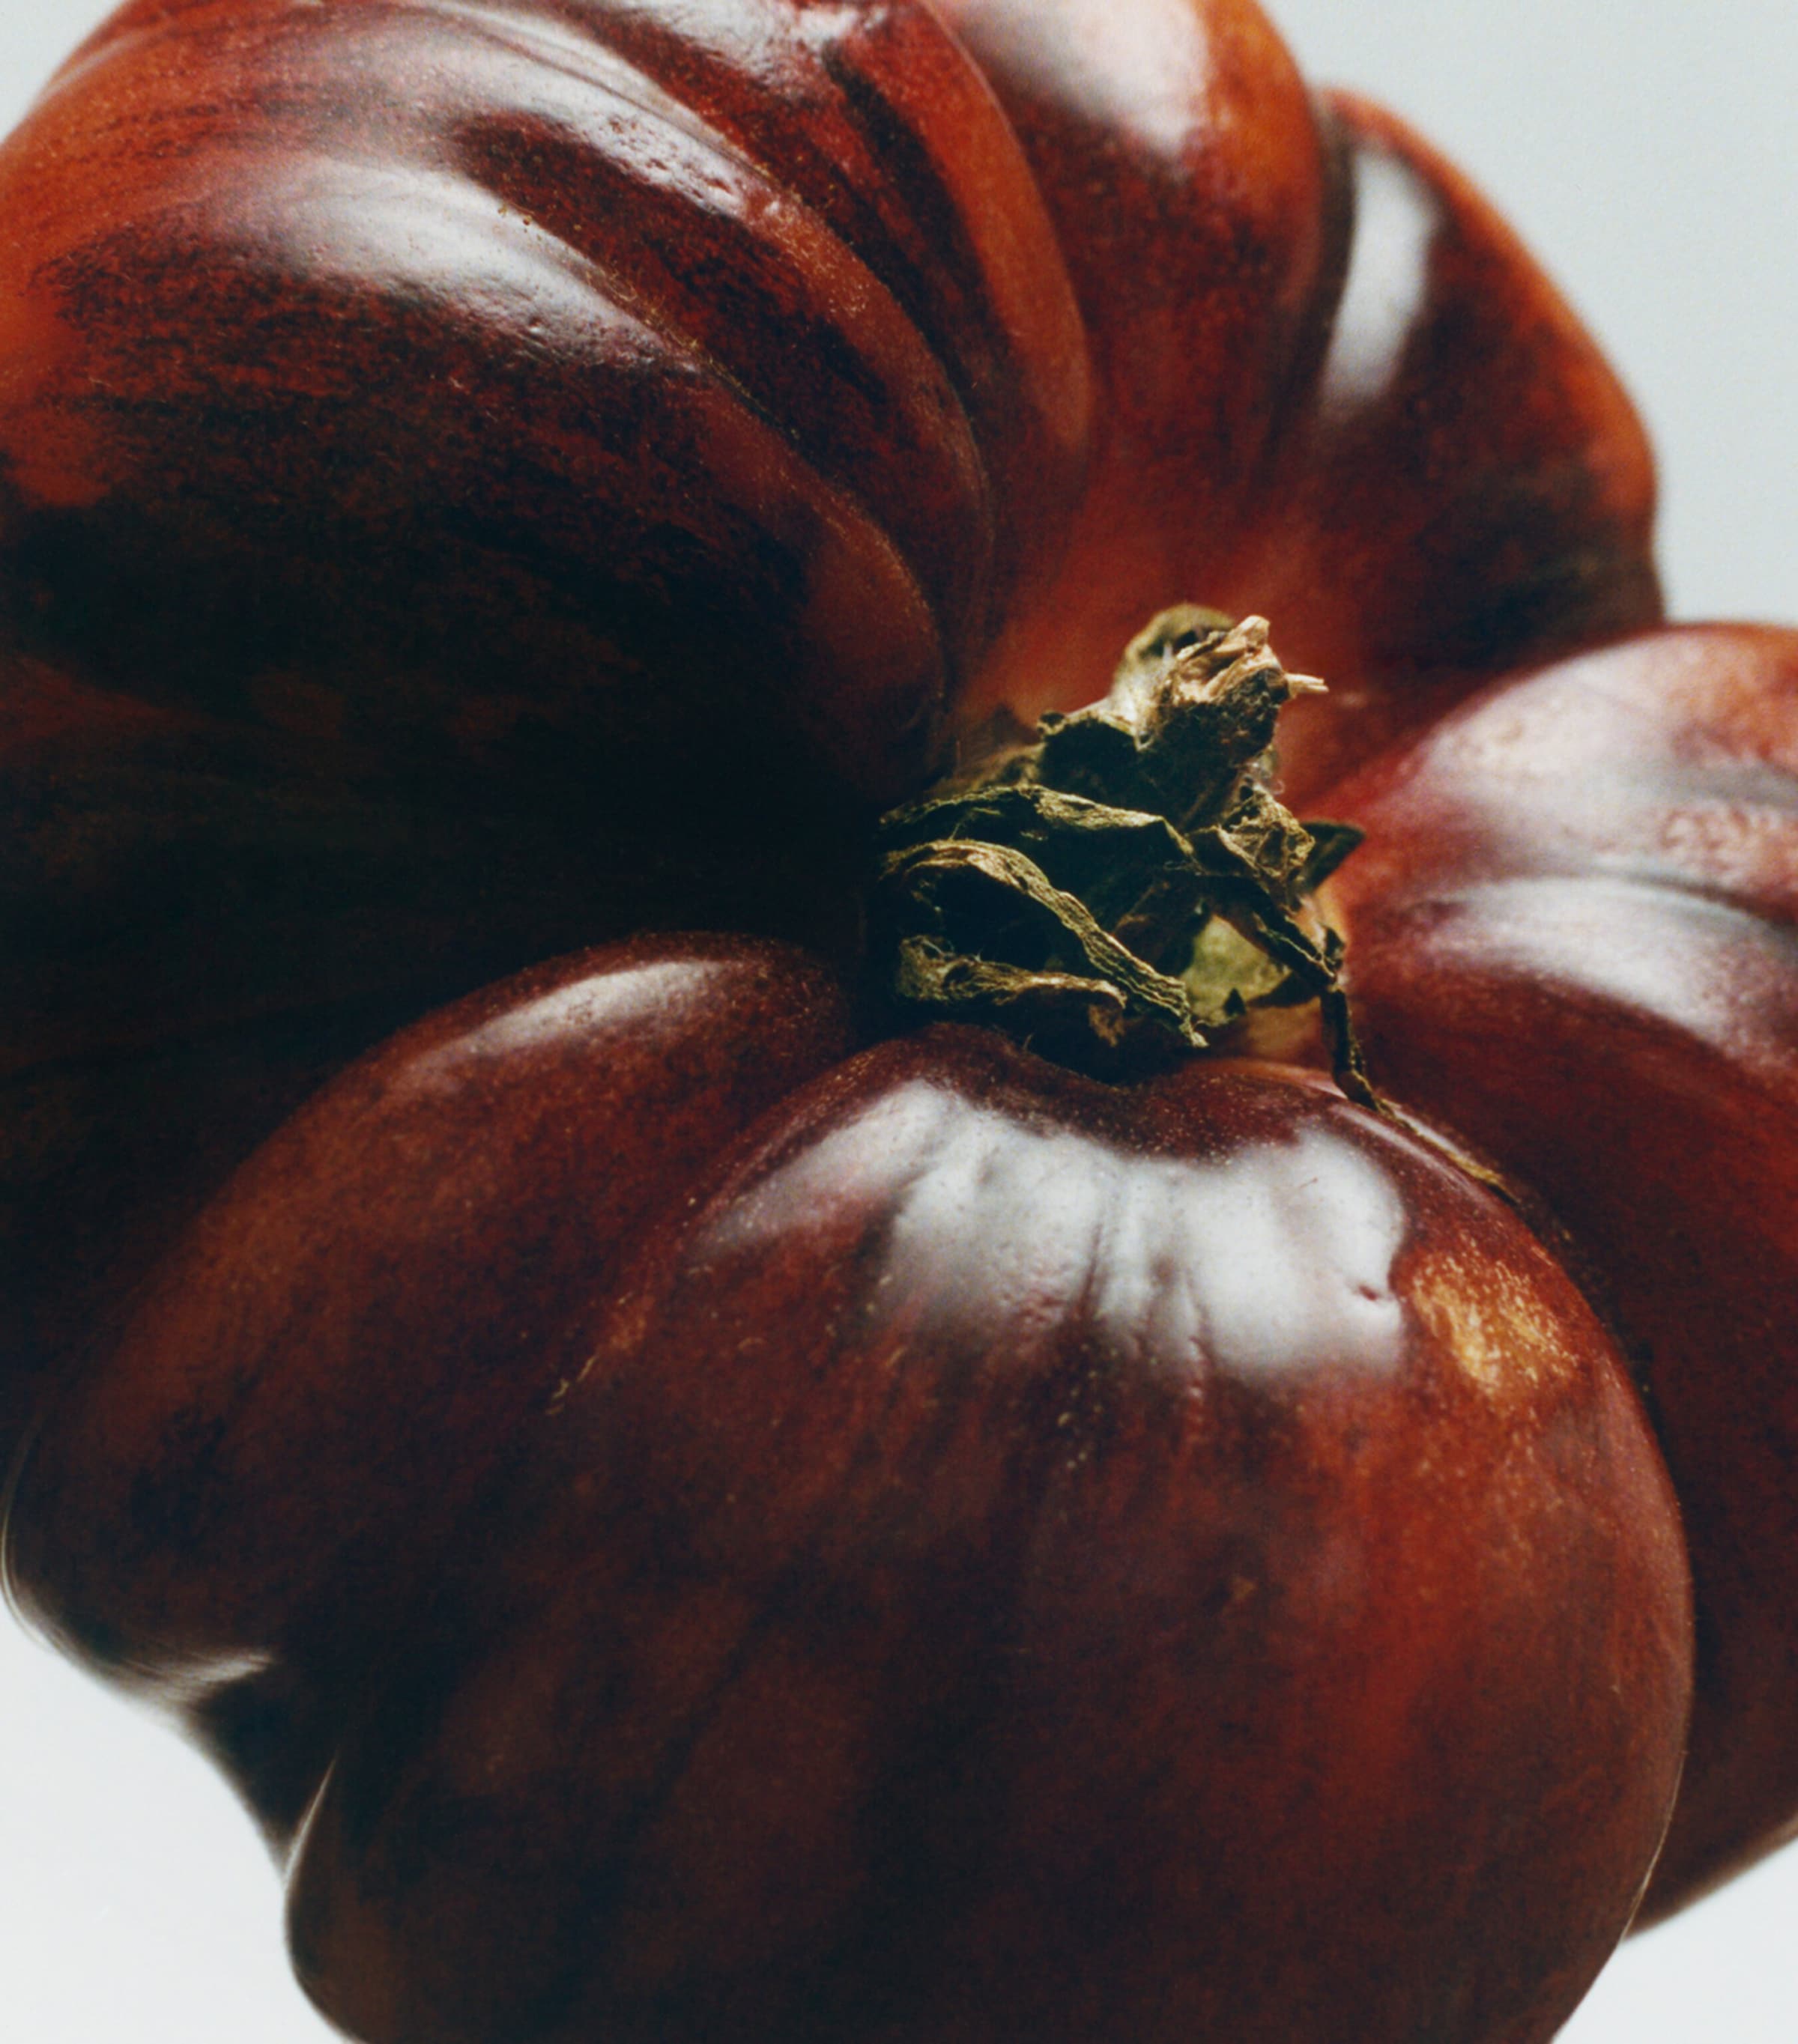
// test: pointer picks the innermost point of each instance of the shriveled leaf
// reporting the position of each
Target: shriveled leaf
(1131, 876)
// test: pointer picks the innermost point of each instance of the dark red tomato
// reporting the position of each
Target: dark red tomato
(693, 1513)
(914, 1543)
(443, 380)
(476, 481)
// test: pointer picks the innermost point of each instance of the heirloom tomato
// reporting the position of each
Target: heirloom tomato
(701, 1491)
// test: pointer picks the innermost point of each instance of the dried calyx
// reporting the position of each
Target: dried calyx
(1127, 884)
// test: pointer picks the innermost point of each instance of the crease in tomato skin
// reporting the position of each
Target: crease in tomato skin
(880, 394)
(1232, 196)
(1576, 542)
(742, 1527)
(177, 90)
(825, 612)
(228, 1393)
(845, 90)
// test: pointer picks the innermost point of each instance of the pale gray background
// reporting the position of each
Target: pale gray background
(1647, 150)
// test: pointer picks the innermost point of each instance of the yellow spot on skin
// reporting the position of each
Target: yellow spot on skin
(1494, 1323)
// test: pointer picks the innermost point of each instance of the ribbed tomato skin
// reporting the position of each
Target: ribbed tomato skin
(697, 1511)
(479, 480)
(719, 1534)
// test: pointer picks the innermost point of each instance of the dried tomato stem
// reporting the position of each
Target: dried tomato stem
(1127, 883)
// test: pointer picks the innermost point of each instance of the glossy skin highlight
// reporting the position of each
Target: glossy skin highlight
(441, 529)
(934, 1546)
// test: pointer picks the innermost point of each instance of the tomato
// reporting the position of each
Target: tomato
(691, 1508)
(371, 631)
(892, 1505)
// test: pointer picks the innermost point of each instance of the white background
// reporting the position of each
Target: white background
(1646, 148)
